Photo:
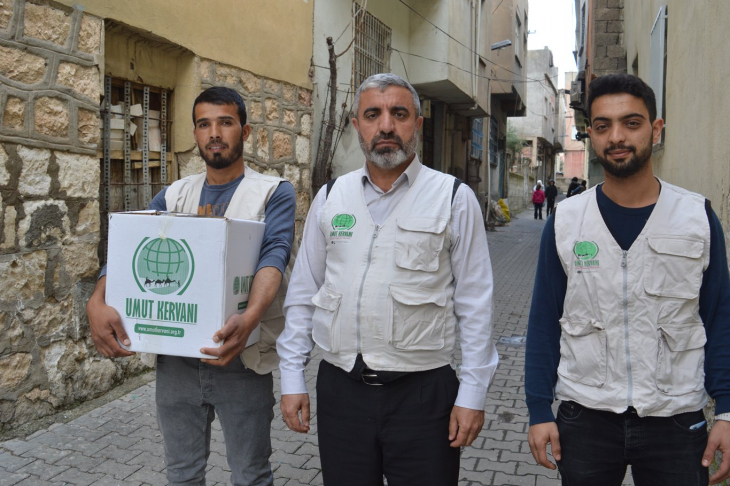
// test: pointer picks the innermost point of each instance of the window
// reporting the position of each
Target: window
(658, 61)
(477, 138)
(135, 145)
(582, 29)
(372, 45)
(493, 142)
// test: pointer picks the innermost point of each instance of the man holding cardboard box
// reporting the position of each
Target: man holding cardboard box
(394, 259)
(190, 391)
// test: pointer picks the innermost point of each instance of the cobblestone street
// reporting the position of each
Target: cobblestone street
(119, 443)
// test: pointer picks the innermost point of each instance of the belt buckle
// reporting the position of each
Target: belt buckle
(365, 376)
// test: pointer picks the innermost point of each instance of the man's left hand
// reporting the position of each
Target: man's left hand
(235, 333)
(464, 426)
(719, 439)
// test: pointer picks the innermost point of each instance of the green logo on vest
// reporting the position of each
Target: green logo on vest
(343, 222)
(163, 266)
(585, 250)
(236, 285)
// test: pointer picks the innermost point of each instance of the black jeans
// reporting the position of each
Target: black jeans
(399, 429)
(538, 210)
(597, 446)
(550, 206)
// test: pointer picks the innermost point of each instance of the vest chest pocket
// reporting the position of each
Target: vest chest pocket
(673, 267)
(418, 243)
(417, 318)
(583, 349)
(681, 358)
(325, 326)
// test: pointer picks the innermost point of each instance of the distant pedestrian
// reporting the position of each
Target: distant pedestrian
(539, 183)
(572, 187)
(538, 199)
(580, 189)
(551, 192)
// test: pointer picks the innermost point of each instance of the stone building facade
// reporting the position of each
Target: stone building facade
(52, 68)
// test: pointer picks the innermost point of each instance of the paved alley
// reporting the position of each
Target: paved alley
(119, 443)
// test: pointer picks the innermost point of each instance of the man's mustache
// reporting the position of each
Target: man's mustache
(391, 137)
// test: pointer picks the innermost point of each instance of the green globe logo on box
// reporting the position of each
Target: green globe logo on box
(343, 222)
(585, 250)
(163, 266)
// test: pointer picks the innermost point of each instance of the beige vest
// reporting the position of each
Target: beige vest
(631, 330)
(388, 290)
(248, 202)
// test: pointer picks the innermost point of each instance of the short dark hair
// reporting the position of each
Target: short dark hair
(622, 83)
(218, 95)
(574, 179)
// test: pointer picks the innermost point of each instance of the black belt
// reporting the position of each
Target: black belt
(361, 372)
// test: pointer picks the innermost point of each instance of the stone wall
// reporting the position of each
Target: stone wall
(280, 115)
(49, 188)
(608, 34)
(520, 195)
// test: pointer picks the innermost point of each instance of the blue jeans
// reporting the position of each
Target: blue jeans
(189, 393)
(597, 446)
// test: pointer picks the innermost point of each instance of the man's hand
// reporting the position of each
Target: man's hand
(464, 426)
(719, 439)
(291, 405)
(235, 333)
(105, 324)
(539, 436)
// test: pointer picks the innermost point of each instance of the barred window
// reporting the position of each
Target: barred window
(477, 137)
(372, 45)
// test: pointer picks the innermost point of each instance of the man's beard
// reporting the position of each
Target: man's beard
(636, 163)
(387, 157)
(217, 160)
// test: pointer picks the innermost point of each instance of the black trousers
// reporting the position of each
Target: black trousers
(550, 205)
(399, 430)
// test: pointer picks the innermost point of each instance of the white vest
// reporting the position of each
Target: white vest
(388, 290)
(631, 330)
(248, 202)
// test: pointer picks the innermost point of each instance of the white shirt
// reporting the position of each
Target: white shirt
(470, 263)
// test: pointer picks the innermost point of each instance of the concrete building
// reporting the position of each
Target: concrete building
(542, 126)
(61, 173)
(573, 160)
(439, 46)
(508, 68)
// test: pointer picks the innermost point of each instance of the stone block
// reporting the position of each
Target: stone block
(51, 117)
(88, 126)
(290, 118)
(271, 172)
(21, 66)
(34, 178)
(605, 64)
(78, 175)
(4, 174)
(83, 80)
(14, 113)
(205, 69)
(89, 219)
(14, 369)
(248, 146)
(615, 3)
(191, 164)
(46, 23)
(281, 146)
(227, 74)
(250, 82)
(292, 173)
(99, 376)
(256, 114)
(6, 13)
(606, 39)
(24, 276)
(272, 110)
(306, 179)
(9, 218)
(601, 51)
(615, 26)
(615, 51)
(306, 124)
(90, 34)
(49, 322)
(607, 14)
(79, 260)
(303, 150)
(290, 93)
(302, 205)
(272, 86)
(44, 222)
(305, 98)
(262, 144)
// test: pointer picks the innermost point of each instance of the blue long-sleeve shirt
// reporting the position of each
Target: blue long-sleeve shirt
(551, 282)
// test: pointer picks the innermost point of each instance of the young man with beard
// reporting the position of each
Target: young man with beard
(238, 386)
(630, 328)
(394, 258)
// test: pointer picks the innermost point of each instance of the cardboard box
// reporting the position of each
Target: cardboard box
(175, 278)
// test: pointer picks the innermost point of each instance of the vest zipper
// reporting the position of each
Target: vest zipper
(629, 396)
(362, 284)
